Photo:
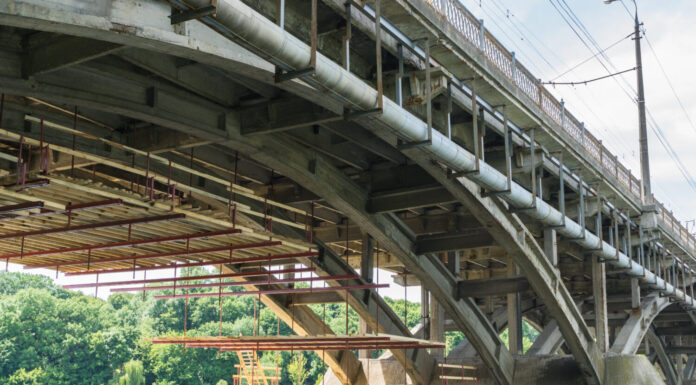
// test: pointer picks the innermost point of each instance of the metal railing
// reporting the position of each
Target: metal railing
(474, 33)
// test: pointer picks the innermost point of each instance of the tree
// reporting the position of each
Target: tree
(297, 369)
(132, 374)
(221, 382)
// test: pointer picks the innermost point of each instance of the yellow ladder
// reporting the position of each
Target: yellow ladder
(250, 371)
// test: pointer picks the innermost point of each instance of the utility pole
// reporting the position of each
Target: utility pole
(643, 138)
(646, 192)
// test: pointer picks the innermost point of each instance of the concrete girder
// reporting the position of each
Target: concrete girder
(662, 357)
(632, 333)
(47, 52)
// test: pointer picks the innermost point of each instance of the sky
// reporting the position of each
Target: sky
(547, 46)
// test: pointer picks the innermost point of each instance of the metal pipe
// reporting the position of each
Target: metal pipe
(236, 261)
(284, 49)
(169, 254)
(188, 278)
(277, 291)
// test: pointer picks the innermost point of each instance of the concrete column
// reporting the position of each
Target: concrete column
(599, 291)
(425, 312)
(514, 316)
(366, 273)
(635, 294)
(437, 327)
(551, 246)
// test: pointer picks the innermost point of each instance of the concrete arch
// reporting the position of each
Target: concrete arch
(634, 330)
(662, 357)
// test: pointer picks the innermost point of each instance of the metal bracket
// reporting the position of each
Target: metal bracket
(194, 14)
(350, 114)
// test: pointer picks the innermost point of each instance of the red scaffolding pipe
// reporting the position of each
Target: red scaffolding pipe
(246, 283)
(194, 264)
(114, 245)
(21, 206)
(276, 291)
(191, 278)
(177, 253)
(90, 205)
(91, 226)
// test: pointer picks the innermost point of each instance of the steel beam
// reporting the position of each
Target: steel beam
(663, 358)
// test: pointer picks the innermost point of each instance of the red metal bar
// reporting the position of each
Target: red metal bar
(90, 205)
(277, 291)
(21, 206)
(204, 263)
(191, 278)
(32, 183)
(264, 340)
(91, 226)
(246, 283)
(177, 253)
(128, 243)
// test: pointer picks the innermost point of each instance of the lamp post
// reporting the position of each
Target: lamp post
(646, 194)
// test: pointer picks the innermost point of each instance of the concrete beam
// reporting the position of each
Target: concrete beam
(391, 201)
(45, 53)
(480, 288)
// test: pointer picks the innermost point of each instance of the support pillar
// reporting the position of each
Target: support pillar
(599, 292)
(551, 246)
(366, 273)
(514, 316)
(437, 327)
(425, 312)
(635, 294)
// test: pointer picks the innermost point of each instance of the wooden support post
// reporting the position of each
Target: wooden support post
(599, 291)
(514, 316)
(366, 273)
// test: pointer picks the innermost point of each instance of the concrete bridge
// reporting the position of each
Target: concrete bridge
(415, 139)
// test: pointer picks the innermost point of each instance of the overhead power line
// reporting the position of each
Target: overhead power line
(590, 80)
(593, 56)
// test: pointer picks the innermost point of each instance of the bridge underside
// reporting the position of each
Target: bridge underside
(101, 99)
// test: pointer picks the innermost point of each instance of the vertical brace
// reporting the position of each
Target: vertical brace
(378, 52)
(400, 75)
(280, 74)
(428, 93)
(347, 36)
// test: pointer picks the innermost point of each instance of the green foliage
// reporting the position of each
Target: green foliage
(529, 335)
(52, 336)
